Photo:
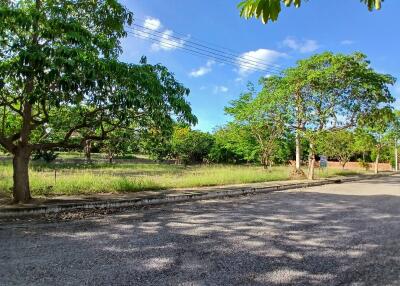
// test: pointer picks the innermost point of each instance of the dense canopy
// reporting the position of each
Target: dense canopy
(61, 82)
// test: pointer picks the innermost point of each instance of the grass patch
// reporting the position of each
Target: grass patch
(77, 179)
(338, 172)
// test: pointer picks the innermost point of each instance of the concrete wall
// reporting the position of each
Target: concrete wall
(352, 166)
(356, 166)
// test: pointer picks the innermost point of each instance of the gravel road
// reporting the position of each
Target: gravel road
(346, 234)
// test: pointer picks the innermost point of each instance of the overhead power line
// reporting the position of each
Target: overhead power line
(204, 42)
(248, 59)
(169, 43)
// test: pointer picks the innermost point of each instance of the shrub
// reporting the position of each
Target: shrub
(364, 164)
(47, 156)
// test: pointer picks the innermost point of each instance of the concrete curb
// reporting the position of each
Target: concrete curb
(172, 198)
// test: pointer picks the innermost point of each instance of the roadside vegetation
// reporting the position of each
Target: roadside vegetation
(71, 178)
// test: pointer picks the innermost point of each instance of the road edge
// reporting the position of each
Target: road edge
(174, 198)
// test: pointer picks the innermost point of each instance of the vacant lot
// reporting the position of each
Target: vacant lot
(72, 175)
(346, 234)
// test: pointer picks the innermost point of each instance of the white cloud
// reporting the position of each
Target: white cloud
(246, 61)
(165, 39)
(152, 24)
(203, 70)
(347, 42)
(305, 46)
(220, 89)
(167, 42)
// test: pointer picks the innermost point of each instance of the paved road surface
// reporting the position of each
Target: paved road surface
(346, 234)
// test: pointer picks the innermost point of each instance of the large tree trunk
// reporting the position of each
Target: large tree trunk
(377, 163)
(298, 151)
(21, 191)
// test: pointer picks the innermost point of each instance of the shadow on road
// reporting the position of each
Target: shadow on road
(307, 238)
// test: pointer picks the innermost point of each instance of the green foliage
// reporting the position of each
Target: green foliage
(320, 98)
(264, 115)
(60, 72)
(156, 143)
(331, 92)
(380, 126)
(234, 143)
(338, 145)
(336, 91)
(121, 142)
(365, 165)
(190, 146)
(364, 142)
(61, 81)
(46, 155)
(270, 9)
(380, 132)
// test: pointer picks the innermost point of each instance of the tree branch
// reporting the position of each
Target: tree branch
(7, 144)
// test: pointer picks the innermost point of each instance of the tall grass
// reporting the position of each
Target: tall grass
(75, 179)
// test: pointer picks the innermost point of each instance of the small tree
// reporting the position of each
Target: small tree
(190, 146)
(156, 143)
(363, 142)
(394, 136)
(234, 143)
(121, 142)
(382, 126)
(265, 114)
(338, 145)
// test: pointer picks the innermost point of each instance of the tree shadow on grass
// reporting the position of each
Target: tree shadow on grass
(288, 238)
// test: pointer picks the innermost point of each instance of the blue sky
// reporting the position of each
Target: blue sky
(319, 25)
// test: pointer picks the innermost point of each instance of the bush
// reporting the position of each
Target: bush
(47, 156)
(191, 146)
(364, 164)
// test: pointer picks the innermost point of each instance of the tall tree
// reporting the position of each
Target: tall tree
(61, 82)
(270, 9)
(331, 92)
(265, 114)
